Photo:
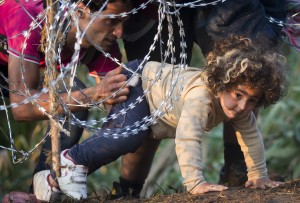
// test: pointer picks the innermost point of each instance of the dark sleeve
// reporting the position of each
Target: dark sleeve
(141, 28)
(276, 9)
(245, 17)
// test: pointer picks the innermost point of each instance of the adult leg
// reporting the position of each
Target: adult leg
(133, 173)
(234, 171)
(135, 168)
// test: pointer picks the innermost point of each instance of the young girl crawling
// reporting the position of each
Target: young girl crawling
(238, 77)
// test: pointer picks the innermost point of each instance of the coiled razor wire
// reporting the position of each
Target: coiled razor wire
(64, 19)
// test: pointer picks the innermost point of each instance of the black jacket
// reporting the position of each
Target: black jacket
(245, 17)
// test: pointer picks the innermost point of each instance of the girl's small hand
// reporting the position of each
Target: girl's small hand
(262, 183)
(207, 187)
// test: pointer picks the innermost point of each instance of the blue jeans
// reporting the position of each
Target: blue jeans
(101, 149)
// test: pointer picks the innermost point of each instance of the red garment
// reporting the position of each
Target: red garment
(101, 65)
(15, 21)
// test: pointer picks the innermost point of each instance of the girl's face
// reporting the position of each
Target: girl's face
(239, 101)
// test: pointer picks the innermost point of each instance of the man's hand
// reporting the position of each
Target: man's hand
(110, 84)
(208, 187)
(262, 183)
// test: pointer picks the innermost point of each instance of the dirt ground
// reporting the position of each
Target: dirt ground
(287, 193)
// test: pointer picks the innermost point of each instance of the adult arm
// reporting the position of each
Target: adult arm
(110, 83)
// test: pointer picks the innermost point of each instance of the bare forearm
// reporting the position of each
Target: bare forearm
(112, 86)
(38, 109)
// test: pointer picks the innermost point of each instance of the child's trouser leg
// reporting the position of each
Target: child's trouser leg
(105, 147)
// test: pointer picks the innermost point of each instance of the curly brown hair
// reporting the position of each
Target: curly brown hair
(237, 61)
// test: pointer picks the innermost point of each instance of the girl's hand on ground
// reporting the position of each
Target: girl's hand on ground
(262, 183)
(208, 187)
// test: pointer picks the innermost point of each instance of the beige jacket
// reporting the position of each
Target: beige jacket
(192, 111)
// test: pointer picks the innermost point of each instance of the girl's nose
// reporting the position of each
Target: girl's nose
(242, 106)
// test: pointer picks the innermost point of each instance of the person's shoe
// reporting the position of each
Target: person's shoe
(125, 189)
(276, 177)
(42, 187)
(73, 178)
(116, 192)
(235, 174)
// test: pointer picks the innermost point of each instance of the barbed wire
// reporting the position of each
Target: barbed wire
(64, 20)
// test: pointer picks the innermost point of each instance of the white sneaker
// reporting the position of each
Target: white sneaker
(73, 178)
(42, 187)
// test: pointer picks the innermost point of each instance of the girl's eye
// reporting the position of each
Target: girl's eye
(238, 95)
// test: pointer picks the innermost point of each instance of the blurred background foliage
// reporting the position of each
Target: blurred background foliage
(279, 125)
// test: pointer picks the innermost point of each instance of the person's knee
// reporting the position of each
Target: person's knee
(137, 141)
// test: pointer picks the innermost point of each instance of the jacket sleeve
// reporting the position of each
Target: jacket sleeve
(251, 143)
(189, 132)
(240, 17)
